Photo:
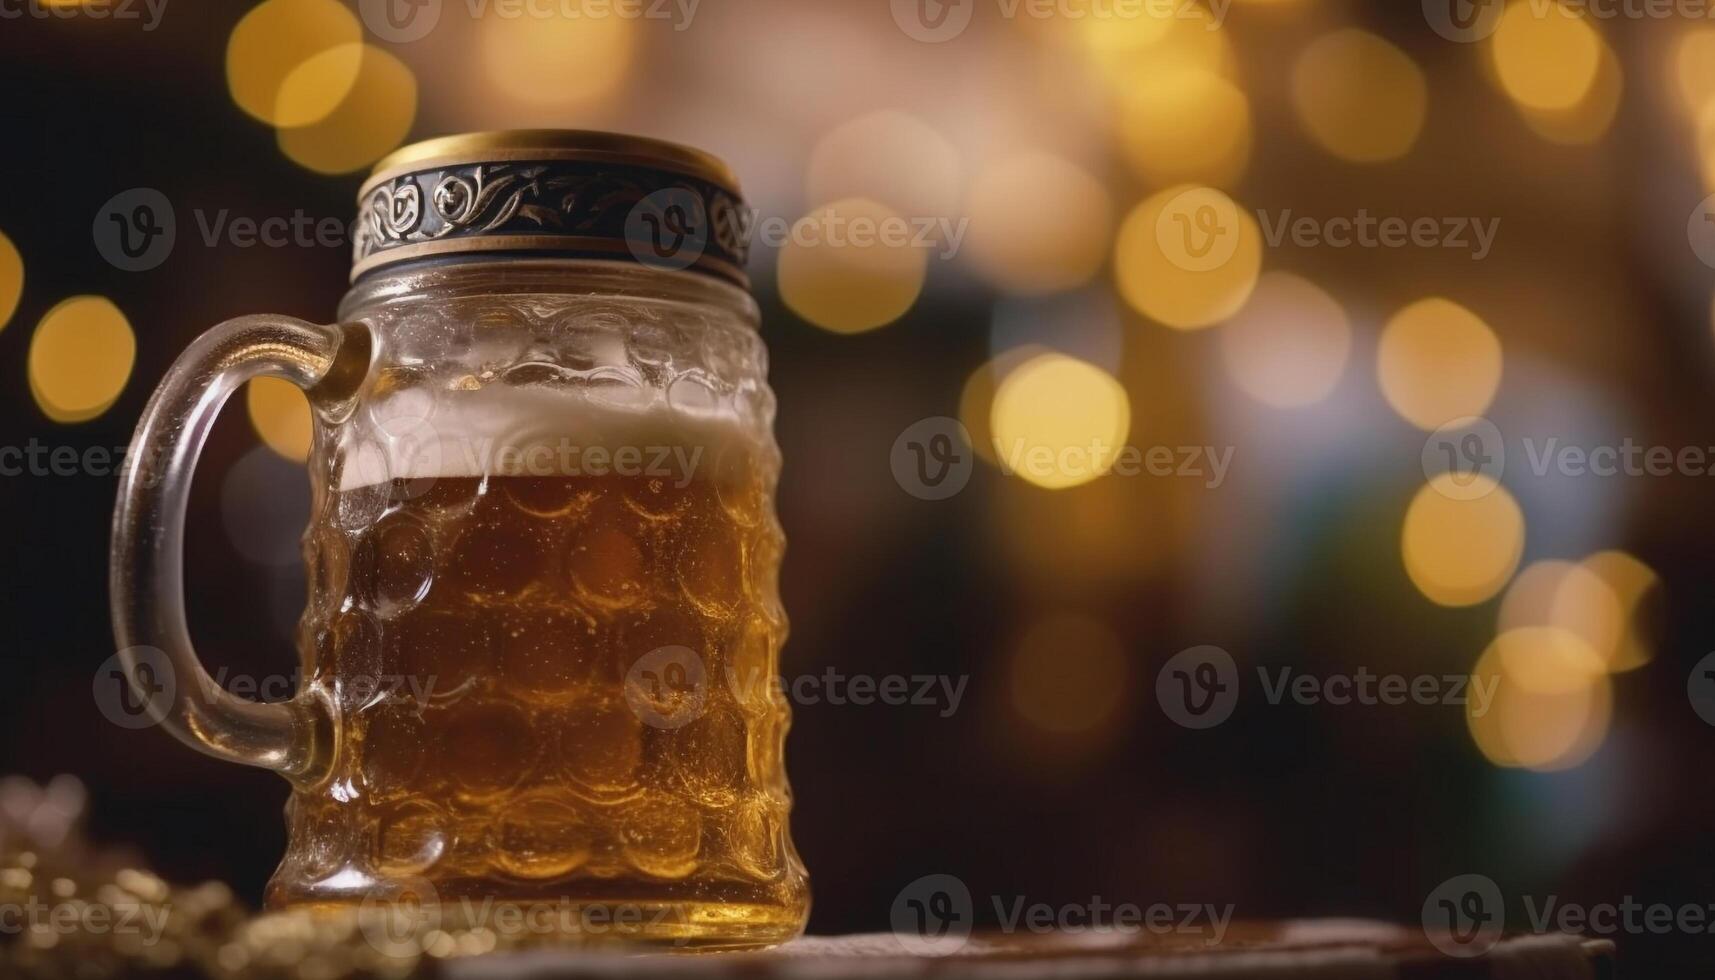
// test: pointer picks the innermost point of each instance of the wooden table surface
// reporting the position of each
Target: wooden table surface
(1339, 950)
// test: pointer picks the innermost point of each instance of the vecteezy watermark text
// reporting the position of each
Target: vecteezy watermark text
(1466, 916)
(403, 21)
(1207, 463)
(669, 688)
(400, 916)
(1199, 229)
(1199, 688)
(1365, 230)
(148, 11)
(1472, 454)
(35, 458)
(934, 916)
(119, 918)
(936, 21)
(137, 688)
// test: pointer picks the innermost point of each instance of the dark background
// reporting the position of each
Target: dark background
(1284, 811)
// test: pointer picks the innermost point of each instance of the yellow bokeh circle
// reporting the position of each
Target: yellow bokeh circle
(1461, 551)
(1545, 54)
(1538, 700)
(1359, 97)
(1437, 361)
(280, 414)
(274, 41)
(1188, 257)
(373, 118)
(1059, 422)
(852, 266)
(888, 156)
(1188, 124)
(571, 59)
(11, 279)
(80, 358)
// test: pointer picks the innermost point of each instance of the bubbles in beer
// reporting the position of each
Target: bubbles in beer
(411, 838)
(543, 838)
(498, 619)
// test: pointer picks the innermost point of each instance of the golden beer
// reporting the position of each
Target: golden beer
(535, 678)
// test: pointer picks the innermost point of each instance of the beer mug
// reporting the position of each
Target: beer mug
(543, 556)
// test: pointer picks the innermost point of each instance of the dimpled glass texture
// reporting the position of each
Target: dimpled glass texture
(487, 631)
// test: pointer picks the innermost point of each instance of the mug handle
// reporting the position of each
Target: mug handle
(146, 573)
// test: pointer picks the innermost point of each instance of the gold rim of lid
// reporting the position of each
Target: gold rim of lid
(506, 145)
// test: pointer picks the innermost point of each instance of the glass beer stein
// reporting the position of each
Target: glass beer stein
(543, 556)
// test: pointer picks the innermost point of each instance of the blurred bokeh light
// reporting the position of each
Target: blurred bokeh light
(11, 279)
(1551, 701)
(1059, 422)
(571, 59)
(1460, 548)
(851, 266)
(1546, 55)
(1359, 97)
(1290, 343)
(274, 43)
(1069, 675)
(1188, 257)
(1039, 223)
(80, 358)
(280, 414)
(891, 157)
(372, 119)
(1438, 362)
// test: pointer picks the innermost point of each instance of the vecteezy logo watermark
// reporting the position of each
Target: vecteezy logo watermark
(37, 459)
(1700, 688)
(1207, 463)
(404, 21)
(667, 687)
(669, 229)
(400, 916)
(1472, 453)
(1464, 915)
(134, 230)
(932, 459)
(1198, 688)
(1700, 230)
(149, 11)
(136, 687)
(1463, 21)
(1365, 688)
(1365, 230)
(1474, 20)
(670, 687)
(936, 21)
(934, 915)
(672, 229)
(933, 21)
(120, 917)
(940, 691)
(1198, 230)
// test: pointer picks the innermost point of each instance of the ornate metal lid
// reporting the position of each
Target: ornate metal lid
(553, 192)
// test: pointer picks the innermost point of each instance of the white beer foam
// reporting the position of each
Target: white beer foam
(506, 430)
